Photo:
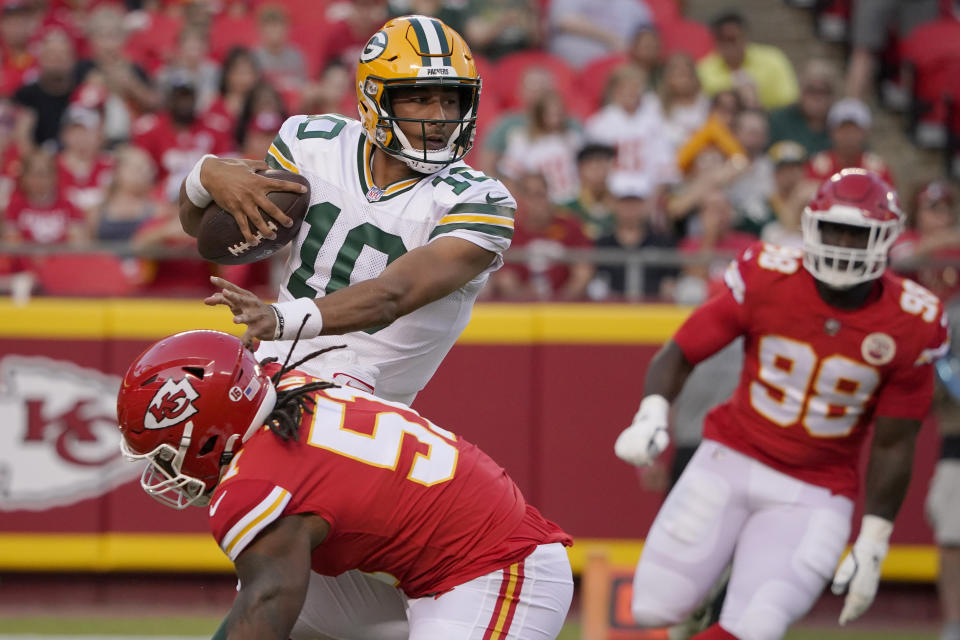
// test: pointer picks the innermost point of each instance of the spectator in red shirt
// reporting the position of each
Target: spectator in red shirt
(262, 99)
(17, 30)
(279, 59)
(191, 58)
(849, 121)
(260, 134)
(932, 233)
(37, 212)
(717, 236)
(9, 152)
(544, 233)
(129, 89)
(238, 76)
(83, 168)
(353, 23)
(177, 138)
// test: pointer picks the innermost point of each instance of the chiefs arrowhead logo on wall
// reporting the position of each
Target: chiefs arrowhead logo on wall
(59, 438)
(172, 404)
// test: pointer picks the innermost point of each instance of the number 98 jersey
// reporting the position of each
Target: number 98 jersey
(814, 376)
(353, 230)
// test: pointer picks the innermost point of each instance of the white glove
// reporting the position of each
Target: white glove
(646, 437)
(859, 573)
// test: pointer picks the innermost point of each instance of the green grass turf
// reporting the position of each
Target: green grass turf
(204, 626)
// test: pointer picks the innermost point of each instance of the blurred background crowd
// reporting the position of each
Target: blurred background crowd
(644, 147)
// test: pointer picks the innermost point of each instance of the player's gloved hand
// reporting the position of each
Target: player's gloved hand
(859, 573)
(646, 437)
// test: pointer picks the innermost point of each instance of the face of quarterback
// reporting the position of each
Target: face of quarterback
(427, 103)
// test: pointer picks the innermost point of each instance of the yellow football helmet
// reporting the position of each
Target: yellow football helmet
(416, 51)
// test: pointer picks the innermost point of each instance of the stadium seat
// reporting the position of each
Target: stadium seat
(932, 53)
(80, 274)
(664, 11)
(593, 78)
(688, 36)
(510, 70)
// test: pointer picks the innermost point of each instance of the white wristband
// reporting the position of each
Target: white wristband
(196, 192)
(875, 529)
(291, 314)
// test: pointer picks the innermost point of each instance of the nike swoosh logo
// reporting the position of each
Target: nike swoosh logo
(495, 200)
(213, 507)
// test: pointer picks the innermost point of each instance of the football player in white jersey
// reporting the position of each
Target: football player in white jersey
(400, 235)
(399, 238)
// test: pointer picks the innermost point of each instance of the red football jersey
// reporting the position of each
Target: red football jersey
(406, 500)
(85, 191)
(814, 376)
(44, 224)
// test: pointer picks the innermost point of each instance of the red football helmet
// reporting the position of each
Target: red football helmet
(851, 198)
(185, 405)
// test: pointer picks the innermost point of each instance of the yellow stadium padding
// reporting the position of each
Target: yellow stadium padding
(46, 318)
(198, 553)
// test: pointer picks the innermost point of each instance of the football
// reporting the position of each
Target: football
(219, 239)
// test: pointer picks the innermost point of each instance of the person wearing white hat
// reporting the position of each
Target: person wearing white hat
(849, 121)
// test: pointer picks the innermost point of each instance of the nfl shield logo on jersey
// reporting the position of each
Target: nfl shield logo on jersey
(878, 349)
(374, 194)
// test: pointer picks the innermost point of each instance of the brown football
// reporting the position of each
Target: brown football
(219, 239)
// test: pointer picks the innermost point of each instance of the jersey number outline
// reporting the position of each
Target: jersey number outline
(830, 407)
(303, 133)
(321, 218)
(382, 448)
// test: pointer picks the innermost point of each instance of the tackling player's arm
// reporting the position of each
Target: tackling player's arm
(890, 465)
(413, 280)
(274, 571)
(234, 185)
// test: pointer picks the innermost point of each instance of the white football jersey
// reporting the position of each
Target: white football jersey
(643, 148)
(354, 229)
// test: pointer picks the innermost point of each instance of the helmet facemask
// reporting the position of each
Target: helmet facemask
(378, 97)
(164, 478)
(843, 267)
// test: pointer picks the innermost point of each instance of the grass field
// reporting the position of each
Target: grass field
(22, 628)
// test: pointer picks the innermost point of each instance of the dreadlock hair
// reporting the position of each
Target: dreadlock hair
(284, 420)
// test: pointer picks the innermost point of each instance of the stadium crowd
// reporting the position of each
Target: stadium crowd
(617, 125)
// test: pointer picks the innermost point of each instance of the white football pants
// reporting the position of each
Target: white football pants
(525, 601)
(785, 537)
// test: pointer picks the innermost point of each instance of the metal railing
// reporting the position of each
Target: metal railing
(635, 262)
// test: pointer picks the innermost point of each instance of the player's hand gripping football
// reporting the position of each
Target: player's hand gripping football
(246, 308)
(646, 437)
(239, 191)
(859, 573)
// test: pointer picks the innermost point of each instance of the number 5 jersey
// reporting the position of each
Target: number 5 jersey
(814, 375)
(353, 230)
(407, 501)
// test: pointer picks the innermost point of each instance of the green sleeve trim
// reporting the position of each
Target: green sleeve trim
(489, 229)
(283, 148)
(482, 207)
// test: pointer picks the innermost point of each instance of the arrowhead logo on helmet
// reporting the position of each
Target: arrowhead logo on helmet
(171, 405)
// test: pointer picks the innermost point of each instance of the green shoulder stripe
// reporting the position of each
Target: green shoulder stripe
(482, 207)
(283, 148)
(273, 164)
(489, 229)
